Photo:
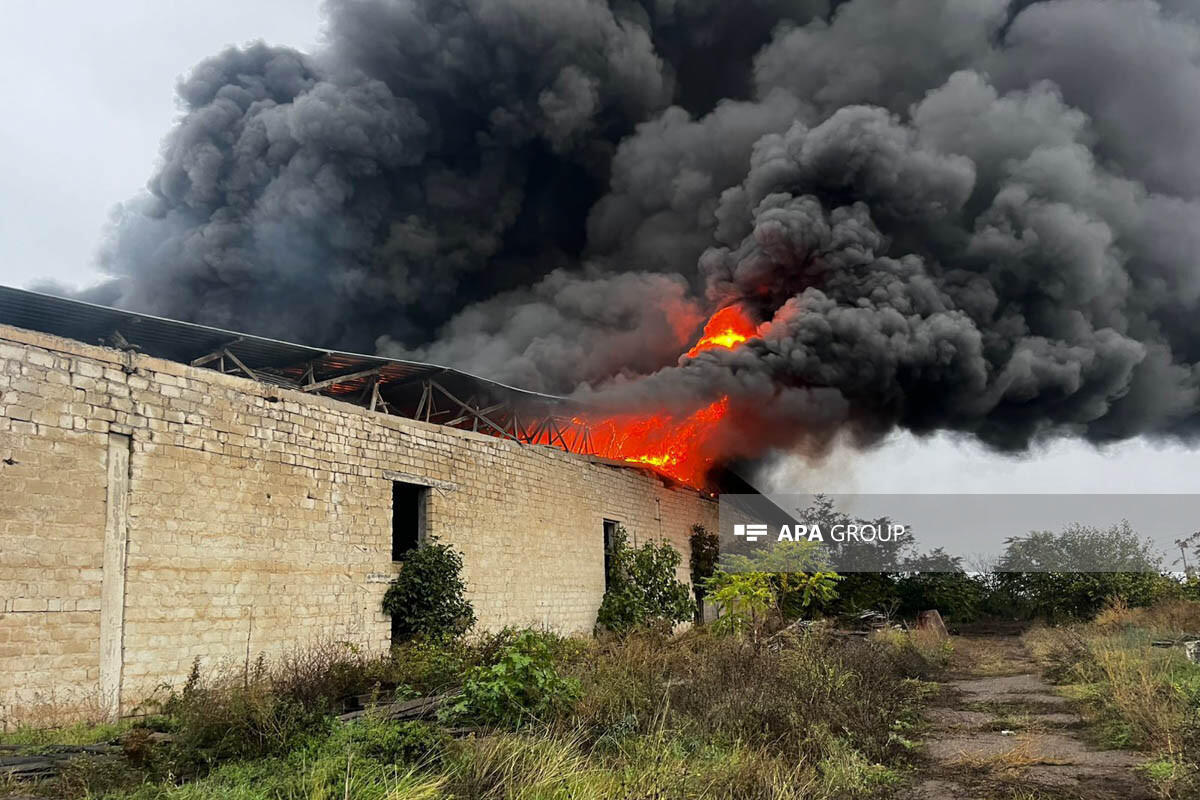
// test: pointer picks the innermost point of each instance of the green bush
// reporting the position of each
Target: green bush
(746, 600)
(797, 574)
(523, 686)
(1074, 595)
(642, 588)
(222, 717)
(399, 742)
(426, 597)
(753, 602)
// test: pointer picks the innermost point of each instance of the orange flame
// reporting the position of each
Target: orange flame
(727, 328)
(683, 448)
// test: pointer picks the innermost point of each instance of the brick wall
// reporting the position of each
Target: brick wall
(152, 513)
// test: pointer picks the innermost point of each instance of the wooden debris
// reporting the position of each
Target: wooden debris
(48, 759)
(28, 768)
(1190, 644)
(419, 708)
(460, 733)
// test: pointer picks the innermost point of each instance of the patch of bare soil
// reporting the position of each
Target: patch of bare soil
(999, 732)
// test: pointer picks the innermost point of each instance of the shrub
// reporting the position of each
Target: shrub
(958, 596)
(432, 666)
(746, 600)
(398, 743)
(263, 708)
(642, 587)
(796, 572)
(230, 716)
(426, 596)
(522, 686)
(772, 585)
(720, 689)
(1075, 595)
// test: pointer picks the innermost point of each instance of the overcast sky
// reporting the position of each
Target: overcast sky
(87, 92)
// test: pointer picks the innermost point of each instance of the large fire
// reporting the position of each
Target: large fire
(727, 328)
(682, 447)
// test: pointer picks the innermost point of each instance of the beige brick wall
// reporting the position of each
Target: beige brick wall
(259, 520)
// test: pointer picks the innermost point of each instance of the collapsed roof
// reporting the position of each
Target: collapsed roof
(416, 390)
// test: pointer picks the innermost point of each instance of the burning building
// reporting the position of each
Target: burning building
(170, 492)
(720, 231)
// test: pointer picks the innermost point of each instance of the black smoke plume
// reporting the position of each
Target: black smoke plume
(974, 215)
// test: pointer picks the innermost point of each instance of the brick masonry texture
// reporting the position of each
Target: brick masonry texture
(259, 521)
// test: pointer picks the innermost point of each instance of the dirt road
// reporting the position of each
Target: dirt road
(1000, 732)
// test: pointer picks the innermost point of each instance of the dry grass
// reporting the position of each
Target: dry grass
(1139, 695)
(722, 687)
(1134, 694)
(1169, 618)
(1023, 754)
(690, 716)
(53, 710)
(986, 657)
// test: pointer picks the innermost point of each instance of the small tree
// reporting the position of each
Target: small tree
(797, 572)
(751, 601)
(642, 587)
(746, 600)
(1074, 573)
(426, 597)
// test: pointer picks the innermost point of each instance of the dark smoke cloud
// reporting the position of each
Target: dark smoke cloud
(431, 154)
(975, 215)
(569, 328)
(1132, 67)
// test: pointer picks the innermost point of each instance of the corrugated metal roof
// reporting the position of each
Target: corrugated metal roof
(284, 363)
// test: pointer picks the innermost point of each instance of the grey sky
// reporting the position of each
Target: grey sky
(109, 70)
(106, 70)
(950, 464)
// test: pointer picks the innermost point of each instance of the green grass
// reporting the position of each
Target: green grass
(1162, 770)
(541, 765)
(690, 716)
(1133, 694)
(325, 768)
(82, 733)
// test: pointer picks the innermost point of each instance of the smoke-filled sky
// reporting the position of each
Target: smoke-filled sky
(971, 216)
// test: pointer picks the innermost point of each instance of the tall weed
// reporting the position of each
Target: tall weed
(1138, 695)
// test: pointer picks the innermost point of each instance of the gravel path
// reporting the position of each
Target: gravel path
(1000, 732)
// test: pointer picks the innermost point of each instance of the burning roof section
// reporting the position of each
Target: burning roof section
(426, 392)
